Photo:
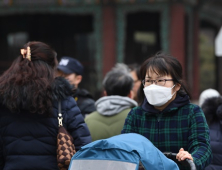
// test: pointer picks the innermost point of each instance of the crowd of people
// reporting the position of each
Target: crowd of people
(150, 99)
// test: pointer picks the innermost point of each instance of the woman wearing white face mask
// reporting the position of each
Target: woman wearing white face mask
(166, 117)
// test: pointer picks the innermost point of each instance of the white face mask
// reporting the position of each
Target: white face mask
(158, 95)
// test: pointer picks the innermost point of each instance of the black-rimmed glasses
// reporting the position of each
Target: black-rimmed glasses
(159, 82)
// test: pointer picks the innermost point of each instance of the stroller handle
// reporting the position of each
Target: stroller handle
(188, 162)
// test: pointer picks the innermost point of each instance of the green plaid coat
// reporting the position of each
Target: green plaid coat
(180, 125)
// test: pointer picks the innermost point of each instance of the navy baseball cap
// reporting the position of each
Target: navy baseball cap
(70, 65)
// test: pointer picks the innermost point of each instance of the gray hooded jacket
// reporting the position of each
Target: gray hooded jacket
(110, 116)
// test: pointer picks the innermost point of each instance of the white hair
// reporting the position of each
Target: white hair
(121, 67)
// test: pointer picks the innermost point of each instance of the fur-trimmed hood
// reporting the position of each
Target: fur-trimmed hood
(61, 89)
(212, 108)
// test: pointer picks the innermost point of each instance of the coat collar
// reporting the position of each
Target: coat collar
(175, 104)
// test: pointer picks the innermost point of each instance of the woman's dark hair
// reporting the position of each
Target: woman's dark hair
(27, 84)
(118, 83)
(163, 64)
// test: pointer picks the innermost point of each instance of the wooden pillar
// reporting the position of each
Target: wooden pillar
(177, 38)
(109, 38)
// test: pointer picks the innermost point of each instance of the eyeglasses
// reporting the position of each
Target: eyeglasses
(159, 82)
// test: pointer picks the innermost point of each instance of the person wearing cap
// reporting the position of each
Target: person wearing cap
(72, 70)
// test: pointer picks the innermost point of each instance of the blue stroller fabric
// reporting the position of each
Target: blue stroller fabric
(130, 149)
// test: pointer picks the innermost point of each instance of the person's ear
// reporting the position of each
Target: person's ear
(104, 93)
(78, 79)
(59, 73)
(177, 87)
(131, 94)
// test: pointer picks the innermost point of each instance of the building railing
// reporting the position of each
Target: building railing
(47, 2)
(83, 2)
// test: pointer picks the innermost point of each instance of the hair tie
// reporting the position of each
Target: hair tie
(26, 53)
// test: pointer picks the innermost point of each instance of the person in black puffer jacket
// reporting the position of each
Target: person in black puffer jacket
(72, 70)
(29, 95)
(212, 108)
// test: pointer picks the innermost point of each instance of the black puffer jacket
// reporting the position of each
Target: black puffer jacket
(28, 141)
(85, 101)
(212, 108)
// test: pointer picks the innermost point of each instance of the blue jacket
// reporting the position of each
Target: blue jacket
(216, 146)
(28, 141)
(212, 108)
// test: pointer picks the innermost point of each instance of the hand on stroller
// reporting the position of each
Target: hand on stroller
(182, 155)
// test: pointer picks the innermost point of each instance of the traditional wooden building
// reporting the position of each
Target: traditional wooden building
(102, 32)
